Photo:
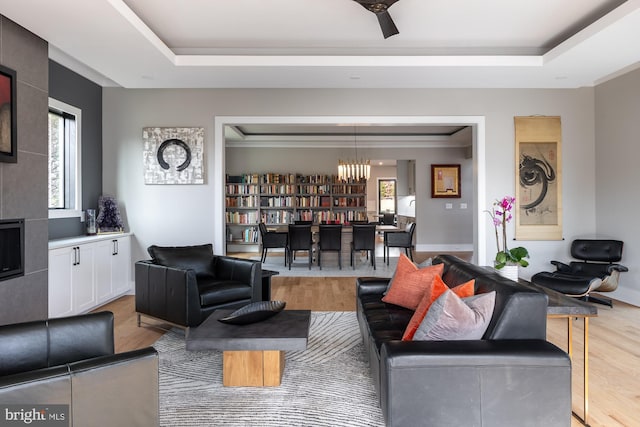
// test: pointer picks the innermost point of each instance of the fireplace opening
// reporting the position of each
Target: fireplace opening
(11, 248)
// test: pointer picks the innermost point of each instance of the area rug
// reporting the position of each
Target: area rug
(329, 384)
(300, 267)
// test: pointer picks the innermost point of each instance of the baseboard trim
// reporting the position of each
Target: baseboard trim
(630, 296)
(458, 247)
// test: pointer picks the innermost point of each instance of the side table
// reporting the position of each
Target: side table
(562, 306)
(266, 283)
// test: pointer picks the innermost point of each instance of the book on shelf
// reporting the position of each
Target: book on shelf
(277, 189)
(241, 201)
(242, 189)
(276, 178)
(276, 217)
(252, 178)
(277, 202)
(246, 235)
(236, 217)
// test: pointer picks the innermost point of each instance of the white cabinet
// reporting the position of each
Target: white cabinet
(86, 272)
(71, 273)
(61, 264)
(104, 282)
(121, 265)
(82, 279)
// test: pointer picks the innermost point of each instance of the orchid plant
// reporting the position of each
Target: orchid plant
(501, 214)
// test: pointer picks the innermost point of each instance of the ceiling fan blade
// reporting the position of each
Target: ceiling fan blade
(387, 25)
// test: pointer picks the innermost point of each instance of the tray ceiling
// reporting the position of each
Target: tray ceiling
(336, 43)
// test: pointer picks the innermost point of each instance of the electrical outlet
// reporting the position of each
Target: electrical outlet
(448, 205)
(463, 206)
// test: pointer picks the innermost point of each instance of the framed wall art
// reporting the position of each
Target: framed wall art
(173, 155)
(538, 178)
(445, 181)
(8, 127)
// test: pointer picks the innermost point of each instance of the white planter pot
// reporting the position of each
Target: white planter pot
(509, 271)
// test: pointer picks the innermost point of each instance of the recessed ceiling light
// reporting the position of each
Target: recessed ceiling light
(354, 77)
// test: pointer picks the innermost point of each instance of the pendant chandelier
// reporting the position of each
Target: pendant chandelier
(354, 170)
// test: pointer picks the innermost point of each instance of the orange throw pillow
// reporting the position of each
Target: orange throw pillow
(439, 287)
(410, 283)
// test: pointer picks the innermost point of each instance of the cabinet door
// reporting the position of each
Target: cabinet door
(103, 270)
(121, 265)
(84, 291)
(61, 264)
(402, 174)
(411, 177)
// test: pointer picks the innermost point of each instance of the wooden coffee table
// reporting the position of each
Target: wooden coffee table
(253, 355)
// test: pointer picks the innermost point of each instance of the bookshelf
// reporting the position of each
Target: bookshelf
(313, 200)
(280, 199)
(277, 198)
(242, 210)
(349, 201)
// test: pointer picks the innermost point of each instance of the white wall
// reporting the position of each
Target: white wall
(617, 110)
(182, 214)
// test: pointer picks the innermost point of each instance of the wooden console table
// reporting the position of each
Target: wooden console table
(564, 307)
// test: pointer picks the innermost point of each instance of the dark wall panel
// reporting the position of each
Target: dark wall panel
(73, 89)
(23, 185)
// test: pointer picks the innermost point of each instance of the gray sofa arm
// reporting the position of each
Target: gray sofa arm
(167, 293)
(119, 390)
(428, 380)
(41, 386)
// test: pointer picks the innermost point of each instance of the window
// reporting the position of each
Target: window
(386, 196)
(64, 160)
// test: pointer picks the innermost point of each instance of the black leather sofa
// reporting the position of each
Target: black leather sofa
(513, 376)
(183, 285)
(71, 361)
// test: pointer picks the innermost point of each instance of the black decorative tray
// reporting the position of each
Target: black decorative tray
(254, 312)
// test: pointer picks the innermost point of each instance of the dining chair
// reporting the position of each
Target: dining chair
(272, 240)
(300, 239)
(364, 239)
(399, 239)
(330, 241)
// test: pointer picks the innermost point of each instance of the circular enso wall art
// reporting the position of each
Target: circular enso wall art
(173, 155)
(180, 143)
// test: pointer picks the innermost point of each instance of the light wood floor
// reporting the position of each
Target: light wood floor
(614, 356)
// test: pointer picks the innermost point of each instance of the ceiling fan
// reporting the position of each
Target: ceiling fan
(380, 8)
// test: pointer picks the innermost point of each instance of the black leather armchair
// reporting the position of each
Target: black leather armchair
(596, 271)
(399, 239)
(184, 285)
(272, 240)
(71, 361)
